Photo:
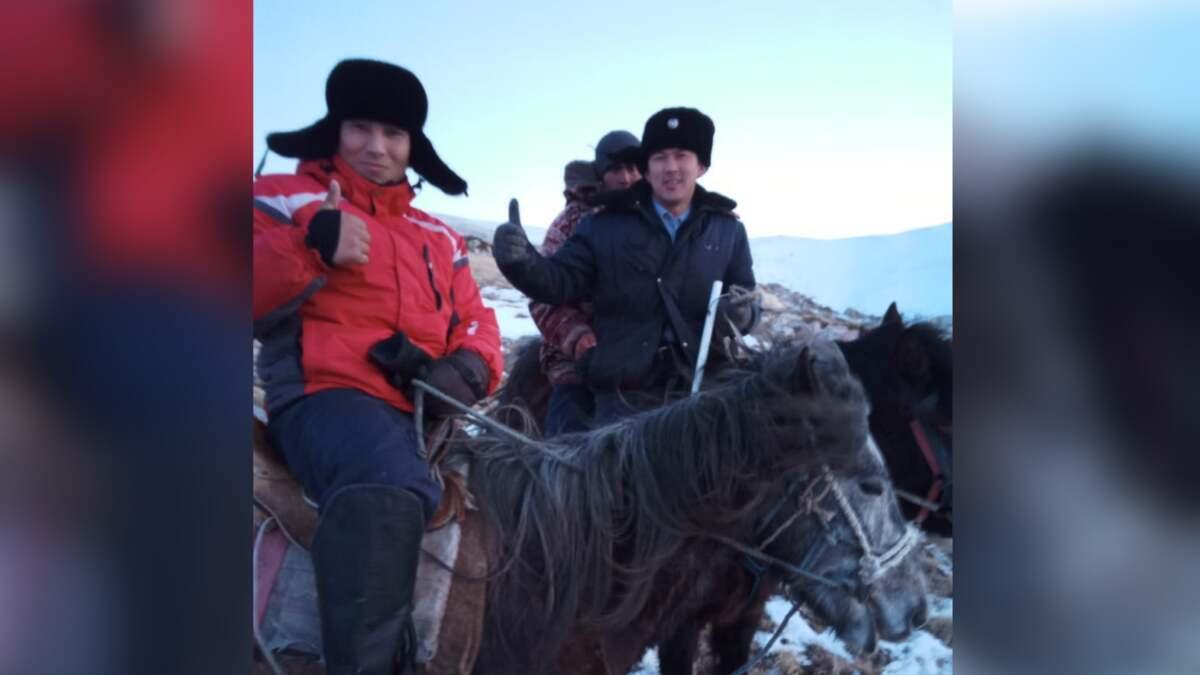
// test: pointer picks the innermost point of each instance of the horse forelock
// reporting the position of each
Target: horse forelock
(937, 345)
(936, 342)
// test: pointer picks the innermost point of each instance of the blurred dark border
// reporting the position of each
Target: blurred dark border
(125, 161)
(1076, 286)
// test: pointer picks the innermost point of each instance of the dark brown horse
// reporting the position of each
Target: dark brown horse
(607, 542)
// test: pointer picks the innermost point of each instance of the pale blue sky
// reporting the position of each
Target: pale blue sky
(833, 118)
(1048, 75)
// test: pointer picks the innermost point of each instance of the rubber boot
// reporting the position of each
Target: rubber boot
(365, 554)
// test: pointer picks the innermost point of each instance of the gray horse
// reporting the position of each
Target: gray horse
(607, 542)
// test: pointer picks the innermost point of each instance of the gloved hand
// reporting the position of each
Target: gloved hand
(510, 245)
(462, 376)
(739, 306)
(340, 237)
(400, 360)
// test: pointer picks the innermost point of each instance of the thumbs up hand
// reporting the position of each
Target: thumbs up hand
(510, 245)
(514, 212)
(332, 197)
(353, 240)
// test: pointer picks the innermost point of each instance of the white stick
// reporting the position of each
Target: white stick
(706, 337)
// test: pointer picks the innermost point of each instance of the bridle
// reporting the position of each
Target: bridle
(871, 565)
(934, 453)
(824, 498)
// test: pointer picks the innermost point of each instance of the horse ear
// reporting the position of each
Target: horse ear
(892, 315)
(802, 376)
(818, 367)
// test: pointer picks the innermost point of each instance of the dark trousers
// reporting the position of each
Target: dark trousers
(570, 409)
(669, 378)
(340, 437)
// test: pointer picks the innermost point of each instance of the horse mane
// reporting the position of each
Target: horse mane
(935, 338)
(581, 526)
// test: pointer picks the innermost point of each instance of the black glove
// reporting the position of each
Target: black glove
(400, 360)
(323, 232)
(510, 245)
(462, 376)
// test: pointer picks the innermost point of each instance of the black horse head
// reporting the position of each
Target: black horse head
(907, 370)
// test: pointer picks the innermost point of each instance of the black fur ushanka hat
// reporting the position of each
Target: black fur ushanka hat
(377, 91)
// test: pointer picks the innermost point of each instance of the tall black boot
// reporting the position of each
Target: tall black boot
(365, 554)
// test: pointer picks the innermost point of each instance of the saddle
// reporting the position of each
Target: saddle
(448, 605)
(279, 495)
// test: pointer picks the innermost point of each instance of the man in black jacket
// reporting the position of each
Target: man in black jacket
(647, 262)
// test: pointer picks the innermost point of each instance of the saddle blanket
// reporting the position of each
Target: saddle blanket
(286, 599)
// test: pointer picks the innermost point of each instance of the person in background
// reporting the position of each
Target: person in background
(647, 261)
(566, 329)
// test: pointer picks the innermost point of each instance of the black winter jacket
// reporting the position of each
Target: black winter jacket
(639, 281)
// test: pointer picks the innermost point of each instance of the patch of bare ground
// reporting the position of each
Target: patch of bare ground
(483, 268)
(940, 583)
(780, 663)
(941, 628)
(828, 663)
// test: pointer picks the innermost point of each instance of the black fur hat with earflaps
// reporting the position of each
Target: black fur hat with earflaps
(377, 91)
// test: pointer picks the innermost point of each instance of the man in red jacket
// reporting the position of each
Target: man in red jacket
(356, 293)
(566, 329)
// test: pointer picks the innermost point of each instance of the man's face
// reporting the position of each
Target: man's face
(672, 174)
(620, 177)
(377, 151)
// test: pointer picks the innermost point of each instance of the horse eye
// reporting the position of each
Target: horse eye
(871, 486)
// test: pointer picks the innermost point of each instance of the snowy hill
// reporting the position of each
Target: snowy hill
(864, 273)
(484, 229)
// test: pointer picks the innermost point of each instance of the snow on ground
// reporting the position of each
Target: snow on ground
(649, 664)
(920, 654)
(798, 634)
(512, 311)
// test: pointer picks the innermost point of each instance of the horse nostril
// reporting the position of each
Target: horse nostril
(871, 486)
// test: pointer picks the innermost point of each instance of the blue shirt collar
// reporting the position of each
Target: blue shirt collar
(669, 220)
